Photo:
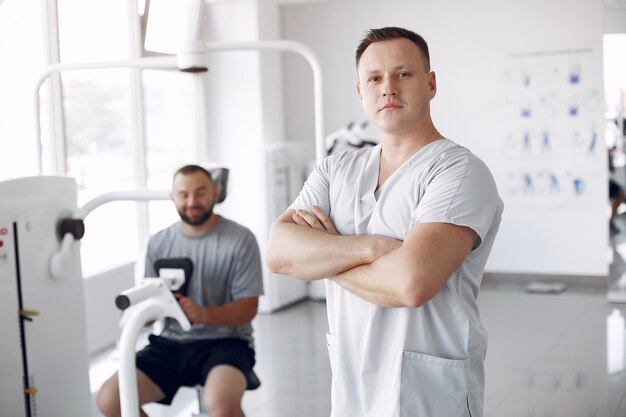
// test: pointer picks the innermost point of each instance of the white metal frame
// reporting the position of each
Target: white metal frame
(158, 303)
(171, 62)
(54, 69)
(53, 99)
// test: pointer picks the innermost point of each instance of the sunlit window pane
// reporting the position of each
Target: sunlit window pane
(21, 52)
(94, 30)
(100, 154)
(100, 158)
(169, 135)
(97, 130)
(110, 238)
(615, 74)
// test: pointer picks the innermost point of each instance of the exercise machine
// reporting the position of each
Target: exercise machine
(152, 299)
(44, 365)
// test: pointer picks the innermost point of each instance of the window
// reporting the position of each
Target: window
(615, 74)
(21, 63)
(104, 154)
(103, 151)
(98, 138)
(169, 132)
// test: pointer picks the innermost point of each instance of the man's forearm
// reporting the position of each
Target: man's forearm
(310, 254)
(233, 314)
(416, 271)
(384, 282)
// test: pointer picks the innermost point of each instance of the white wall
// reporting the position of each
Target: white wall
(102, 315)
(245, 118)
(472, 45)
(235, 123)
(614, 19)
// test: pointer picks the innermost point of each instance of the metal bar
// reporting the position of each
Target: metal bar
(54, 99)
(210, 46)
(137, 120)
(308, 55)
(137, 195)
(167, 62)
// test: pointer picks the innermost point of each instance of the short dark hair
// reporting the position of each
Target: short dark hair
(390, 33)
(191, 169)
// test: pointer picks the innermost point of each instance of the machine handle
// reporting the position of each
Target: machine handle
(135, 295)
(75, 227)
(122, 302)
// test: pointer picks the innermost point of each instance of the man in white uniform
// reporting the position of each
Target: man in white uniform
(402, 231)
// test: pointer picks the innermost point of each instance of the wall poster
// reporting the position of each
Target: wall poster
(552, 136)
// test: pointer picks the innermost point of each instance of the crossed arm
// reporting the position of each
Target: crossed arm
(307, 246)
(384, 271)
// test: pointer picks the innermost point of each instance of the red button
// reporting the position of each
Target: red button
(1, 243)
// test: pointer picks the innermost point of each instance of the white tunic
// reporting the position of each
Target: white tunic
(406, 362)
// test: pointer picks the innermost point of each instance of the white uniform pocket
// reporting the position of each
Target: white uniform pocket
(433, 386)
(331, 342)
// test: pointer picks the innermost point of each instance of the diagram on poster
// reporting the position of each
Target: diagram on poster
(550, 109)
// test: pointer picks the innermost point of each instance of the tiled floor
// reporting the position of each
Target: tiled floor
(549, 355)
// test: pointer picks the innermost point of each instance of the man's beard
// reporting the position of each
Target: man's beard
(198, 221)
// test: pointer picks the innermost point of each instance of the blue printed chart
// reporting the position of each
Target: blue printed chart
(552, 129)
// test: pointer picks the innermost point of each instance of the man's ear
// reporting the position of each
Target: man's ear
(432, 83)
(358, 90)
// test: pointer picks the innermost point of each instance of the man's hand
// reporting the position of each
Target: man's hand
(306, 245)
(194, 312)
(318, 220)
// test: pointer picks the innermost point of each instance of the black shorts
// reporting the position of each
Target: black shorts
(171, 364)
(613, 189)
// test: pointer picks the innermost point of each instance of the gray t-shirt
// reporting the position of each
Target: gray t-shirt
(226, 267)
